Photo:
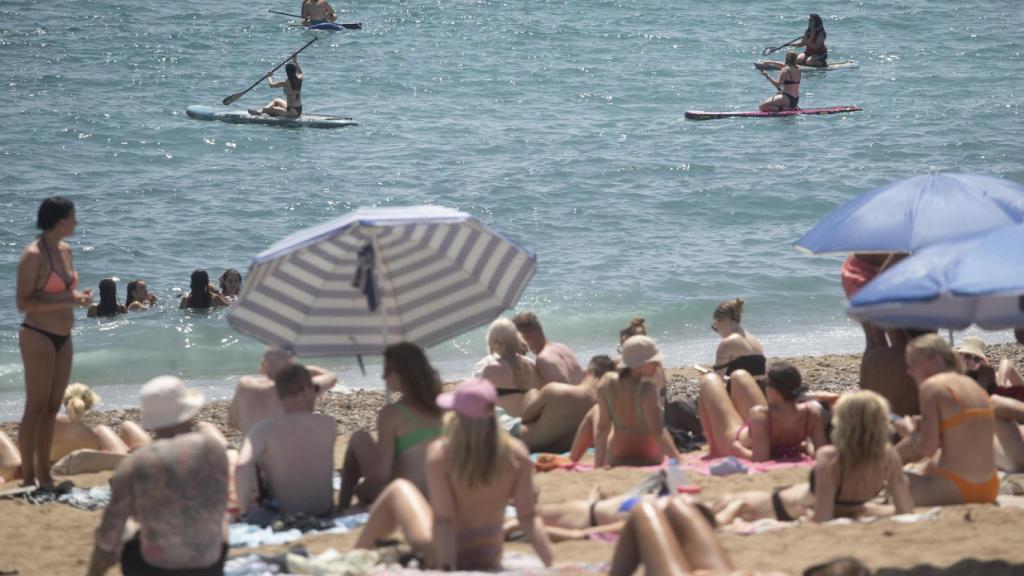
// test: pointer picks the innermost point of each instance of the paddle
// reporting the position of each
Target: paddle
(769, 50)
(352, 26)
(238, 95)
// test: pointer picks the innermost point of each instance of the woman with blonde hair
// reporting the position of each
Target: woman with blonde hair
(404, 428)
(472, 472)
(507, 366)
(957, 417)
(72, 433)
(846, 476)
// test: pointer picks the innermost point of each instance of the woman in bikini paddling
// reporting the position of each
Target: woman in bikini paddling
(46, 295)
(788, 85)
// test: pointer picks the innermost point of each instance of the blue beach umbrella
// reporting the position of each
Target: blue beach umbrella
(951, 285)
(910, 214)
(379, 276)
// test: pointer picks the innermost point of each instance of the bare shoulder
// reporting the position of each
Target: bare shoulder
(437, 452)
(827, 455)
(758, 413)
(254, 382)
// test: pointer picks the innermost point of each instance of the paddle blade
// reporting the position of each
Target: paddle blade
(767, 51)
(355, 26)
(227, 101)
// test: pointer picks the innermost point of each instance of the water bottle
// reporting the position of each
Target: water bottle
(675, 476)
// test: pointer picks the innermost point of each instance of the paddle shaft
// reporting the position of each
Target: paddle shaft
(238, 95)
(284, 14)
(767, 51)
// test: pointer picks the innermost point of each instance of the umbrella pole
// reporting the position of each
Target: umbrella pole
(950, 337)
(377, 267)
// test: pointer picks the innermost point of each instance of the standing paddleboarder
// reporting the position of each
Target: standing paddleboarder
(788, 85)
(291, 106)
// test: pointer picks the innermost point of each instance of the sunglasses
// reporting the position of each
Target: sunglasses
(714, 326)
(971, 357)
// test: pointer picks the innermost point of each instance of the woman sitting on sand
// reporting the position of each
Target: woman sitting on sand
(108, 306)
(472, 472)
(138, 296)
(777, 425)
(230, 283)
(404, 428)
(630, 428)
(957, 417)
(507, 367)
(846, 476)
(738, 349)
(202, 295)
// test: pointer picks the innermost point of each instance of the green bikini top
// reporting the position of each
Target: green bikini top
(418, 435)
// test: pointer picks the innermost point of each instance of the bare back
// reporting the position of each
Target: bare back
(552, 414)
(69, 436)
(255, 400)
(478, 512)
(631, 407)
(511, 389)
(556, 363)
(959, 412)
(293, 455)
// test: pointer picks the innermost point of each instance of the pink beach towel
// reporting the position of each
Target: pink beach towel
(699, 462)
(548, 462)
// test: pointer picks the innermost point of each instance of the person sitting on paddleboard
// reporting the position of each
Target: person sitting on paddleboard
(317, 12)
(292, 106)
(813, 42)
(788, 86)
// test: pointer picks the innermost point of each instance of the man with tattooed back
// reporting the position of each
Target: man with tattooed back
(175, 490)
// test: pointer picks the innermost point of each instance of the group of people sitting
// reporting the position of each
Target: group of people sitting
(442, 466)
(202, 294)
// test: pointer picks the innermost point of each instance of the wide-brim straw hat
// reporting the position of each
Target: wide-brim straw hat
(166, 402)
(973, 345)
(639, 350)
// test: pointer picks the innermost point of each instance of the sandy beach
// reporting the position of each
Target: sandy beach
(972, 539)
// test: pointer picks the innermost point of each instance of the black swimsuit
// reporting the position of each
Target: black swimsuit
(783, 516)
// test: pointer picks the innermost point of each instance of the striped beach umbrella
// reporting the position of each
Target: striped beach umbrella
(378, 276)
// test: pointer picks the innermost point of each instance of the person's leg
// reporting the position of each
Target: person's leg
(108, 441)
(696, 537)
(718, 416)
(745, 393)
(648, 538)
(10, 458)
(1011, 446)
(401, 505)
(133, 435)
(360, 456)
(277, 107)
(801, 59)
(38, 357)
(585, 434)
(59, 383)
(773, 104)
(1007, 375)
(874, 337)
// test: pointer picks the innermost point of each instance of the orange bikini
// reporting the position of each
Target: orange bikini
(972, 492)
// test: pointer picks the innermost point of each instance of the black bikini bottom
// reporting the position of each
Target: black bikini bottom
(58, 339)
(780, 510)
(132, 563)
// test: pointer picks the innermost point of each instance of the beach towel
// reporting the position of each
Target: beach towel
(744, 528)
(512, 564)
(699, 462)
(242, 535)
(545, 462)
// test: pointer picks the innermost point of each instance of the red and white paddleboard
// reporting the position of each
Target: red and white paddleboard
(698, 115)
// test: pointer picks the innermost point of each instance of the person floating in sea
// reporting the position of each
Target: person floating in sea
(108, 306)
(291, 106)
(788, 85)
(317, 12)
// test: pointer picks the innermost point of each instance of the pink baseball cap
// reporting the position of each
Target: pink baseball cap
(472, 398)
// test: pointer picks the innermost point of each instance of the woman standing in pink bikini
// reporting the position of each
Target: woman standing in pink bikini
(46, 295)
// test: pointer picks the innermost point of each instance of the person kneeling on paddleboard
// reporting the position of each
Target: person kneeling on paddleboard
(317, 12)
(788, 86)
(291, 107)
(815, 51)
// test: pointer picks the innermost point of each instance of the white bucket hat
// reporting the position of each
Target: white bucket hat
(639, 350)
(166, 402)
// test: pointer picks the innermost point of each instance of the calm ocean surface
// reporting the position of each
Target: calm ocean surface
(559, 123)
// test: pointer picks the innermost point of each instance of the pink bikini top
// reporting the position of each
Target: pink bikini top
(55, 283)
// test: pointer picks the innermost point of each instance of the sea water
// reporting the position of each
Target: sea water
(558, 123)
